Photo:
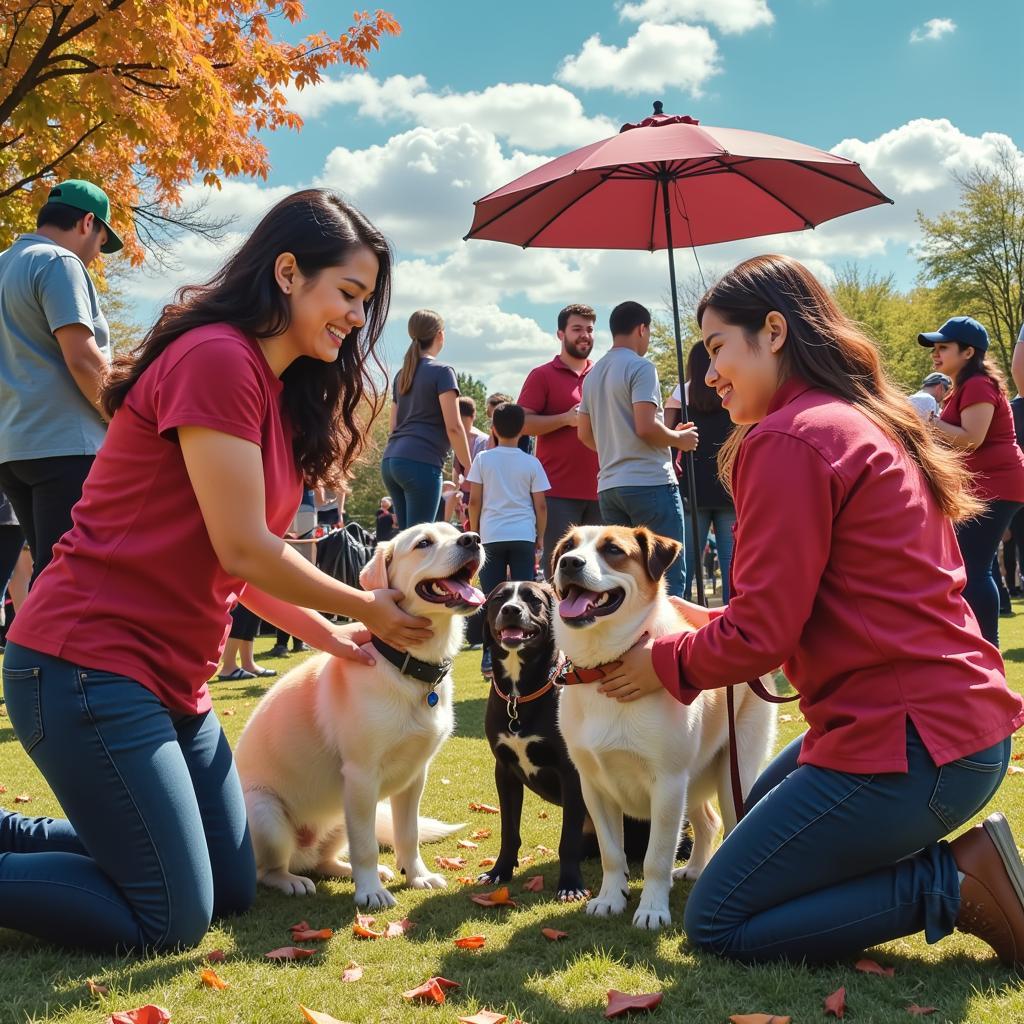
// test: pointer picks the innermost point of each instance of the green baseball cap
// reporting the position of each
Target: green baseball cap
(84, 195)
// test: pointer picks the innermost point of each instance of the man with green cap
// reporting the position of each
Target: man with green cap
(54, 352)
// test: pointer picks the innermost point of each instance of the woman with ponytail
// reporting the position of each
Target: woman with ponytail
(425, 424)
(846, 571)
(245, 387)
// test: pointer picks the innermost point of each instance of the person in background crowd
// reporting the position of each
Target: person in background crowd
(299, 534)
(425, 424)
(329, 506)
(507, 507)
(54, 351)
(12, 540)
(928, 399)
(620, 419)
(551, 397)
(977, 419)
(183, 513)
(238, 660)
(1013, 539)
(714, 504)
(1017, 362)
(493, 401)
(841, 490)
(387, 521)
(478, 441)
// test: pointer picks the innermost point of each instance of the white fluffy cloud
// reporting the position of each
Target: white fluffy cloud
(726, 15)
(934, 28)
(527, 115)
(654, 58)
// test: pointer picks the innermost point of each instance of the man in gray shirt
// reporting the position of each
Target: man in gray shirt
(620, 417)
(54, 351)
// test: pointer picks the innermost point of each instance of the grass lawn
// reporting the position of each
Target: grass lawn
(517, 972)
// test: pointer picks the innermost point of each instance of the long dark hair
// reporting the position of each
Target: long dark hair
(825, 348)
(699, 396)
(329, 405)
(979, 366)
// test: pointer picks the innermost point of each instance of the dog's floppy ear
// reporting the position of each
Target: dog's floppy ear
(559, 551)
(657, 552)
(375, 573)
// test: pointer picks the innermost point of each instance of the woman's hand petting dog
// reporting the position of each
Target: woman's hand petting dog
(385, 619)
(632, 675)
(346, 642)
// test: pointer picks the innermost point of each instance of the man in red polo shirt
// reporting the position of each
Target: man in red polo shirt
(551, 397)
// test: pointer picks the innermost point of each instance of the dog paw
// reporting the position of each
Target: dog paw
(374, 899)
(289, 884)
(651, 917)
(573, 895)
(385, 874)
(606, 906)
(428, 881)
(687, 873)
(495, 876)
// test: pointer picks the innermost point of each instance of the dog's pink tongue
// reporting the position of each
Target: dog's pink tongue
(577, 604)
(464, 592)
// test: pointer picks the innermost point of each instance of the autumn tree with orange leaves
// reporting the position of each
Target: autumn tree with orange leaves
(143, 97)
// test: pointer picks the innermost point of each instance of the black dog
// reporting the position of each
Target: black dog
(521, 724)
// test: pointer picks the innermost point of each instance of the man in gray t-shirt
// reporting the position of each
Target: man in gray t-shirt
(54, 351)
(620, 417)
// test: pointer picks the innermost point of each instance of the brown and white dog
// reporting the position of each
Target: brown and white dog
(334, 737)
(653, 758)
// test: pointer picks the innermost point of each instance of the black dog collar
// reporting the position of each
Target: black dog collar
(422, 671)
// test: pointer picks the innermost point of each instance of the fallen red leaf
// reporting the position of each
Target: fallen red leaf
(211, 979)
(920, 1011)
(484, 1017)
(480, 833)
(397, 929)
(450, 863)
(432, 990)
(1012, 770)
(316, 1017)
(360, 931)
(488, 862)
(498, 898)
(216, 956)
(22, 798)
(553, 934)
(544, 849)
(1016, 757)
(484, 808)
(467, 844)
(95, 989)
(229, 712)
(523, 861)
(365, 920)
(620, 1003)
(466, 880)
(471, 942)
(311, 934)
(835, 1004)
(870, 967)
(3, 789)
(534, 884)
(148, 1014)
(758, 1018)
(290, 953)
(353, 972)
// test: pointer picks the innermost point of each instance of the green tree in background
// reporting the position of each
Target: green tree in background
(975, 253)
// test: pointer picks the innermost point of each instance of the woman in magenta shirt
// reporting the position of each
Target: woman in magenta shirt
(846, 571)
(976, 418)
(244, 387)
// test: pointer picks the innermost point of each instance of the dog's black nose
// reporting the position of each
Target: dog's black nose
(469, 540)
(571, 563)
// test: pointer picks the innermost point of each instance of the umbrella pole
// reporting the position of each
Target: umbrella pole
(691, 482)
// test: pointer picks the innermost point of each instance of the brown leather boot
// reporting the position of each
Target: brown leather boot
(992, 891)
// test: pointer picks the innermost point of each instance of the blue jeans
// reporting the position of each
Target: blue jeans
(415, 489)
(723, 520)
(979, 540)
(155, 844)
(659, 509)
(828, 863)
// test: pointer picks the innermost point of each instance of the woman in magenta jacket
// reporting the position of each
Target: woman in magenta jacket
(846, 570)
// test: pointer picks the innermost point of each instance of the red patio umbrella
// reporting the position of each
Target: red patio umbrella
(671, 178)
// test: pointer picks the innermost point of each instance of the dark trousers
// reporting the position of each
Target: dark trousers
(1013, 552)
(979, 538)
(12, 540)
(505, 559)
(828, 863)
(43, 492)
(245, 623)
(155, 844)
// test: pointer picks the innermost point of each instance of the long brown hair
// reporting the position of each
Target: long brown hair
(979, 366)
(323, 400)
(424, 327)
(829, 351)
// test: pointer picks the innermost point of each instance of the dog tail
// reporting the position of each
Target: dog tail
(431, 830)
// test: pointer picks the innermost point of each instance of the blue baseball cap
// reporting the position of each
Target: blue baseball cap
(963, 329)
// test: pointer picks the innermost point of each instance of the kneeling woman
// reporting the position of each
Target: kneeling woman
(846, 569)
(245, 387)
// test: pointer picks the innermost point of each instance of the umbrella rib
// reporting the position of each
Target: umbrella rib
(767, 191)
(875, 194)
(508, 209)
(575, 199)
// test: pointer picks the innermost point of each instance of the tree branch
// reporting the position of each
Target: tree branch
(43, 171)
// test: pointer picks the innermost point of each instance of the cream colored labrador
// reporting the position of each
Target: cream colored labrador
(654, 758)
(333, 737)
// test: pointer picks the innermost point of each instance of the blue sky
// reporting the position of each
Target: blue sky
(474, 94)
